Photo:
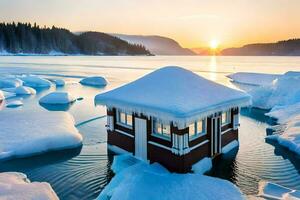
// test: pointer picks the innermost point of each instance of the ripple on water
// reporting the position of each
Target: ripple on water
(258, 160)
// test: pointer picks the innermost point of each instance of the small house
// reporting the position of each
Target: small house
(172, 116)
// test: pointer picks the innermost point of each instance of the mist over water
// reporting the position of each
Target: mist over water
(82, 173)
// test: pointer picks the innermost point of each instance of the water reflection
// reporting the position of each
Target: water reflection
(213, 68)
(28, 163)
(57, 107)
(256, 159)
(285, 154)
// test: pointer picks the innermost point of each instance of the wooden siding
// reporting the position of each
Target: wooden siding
(172, 162)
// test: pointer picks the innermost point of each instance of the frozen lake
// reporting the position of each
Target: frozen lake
(82, 173)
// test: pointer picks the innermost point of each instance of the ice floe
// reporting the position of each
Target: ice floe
(15, 185)
(24, 90)
(14, 104)
(256, 79)
(57, 98)
(10, 82)
(140, 180)
(59, 82)
(35, 81)
(277, 192)
(97, 81)
(24, 133)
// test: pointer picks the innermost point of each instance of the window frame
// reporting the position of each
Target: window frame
(119, 122)
(196, 133)
(228, 118)
(160, 135)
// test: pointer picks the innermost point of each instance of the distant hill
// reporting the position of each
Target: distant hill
(201, 51)
(157, 45)
(282, 48)
(24, 38)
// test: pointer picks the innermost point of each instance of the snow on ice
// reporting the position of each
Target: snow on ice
(255, 79)
(97, 81)
(14, 185)
(59, 82)
(10, 82)
(24, 133)
(14, 104)
(35, 81)
(134, 182)
(57, 98)
(282, 96)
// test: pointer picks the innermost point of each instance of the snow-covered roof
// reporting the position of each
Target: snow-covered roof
(173, 94)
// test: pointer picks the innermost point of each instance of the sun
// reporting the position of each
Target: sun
(214, 44)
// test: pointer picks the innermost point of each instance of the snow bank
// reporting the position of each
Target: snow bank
(288, 134)
(173, 94)
(57, 98)
(232, 145)
(255, 79)
(202, 166)
(277, 192)
(10, 82)
(284, 113)
(280, 93)
(94, 81)
(35, 81)
(148, 182)
(15, 185)
(24, 133)
(14, 104)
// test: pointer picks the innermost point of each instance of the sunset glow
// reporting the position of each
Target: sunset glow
(214, 44)
(191, 23)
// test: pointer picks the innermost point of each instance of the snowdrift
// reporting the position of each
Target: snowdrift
(140, 180)
(15, 185)
(24, 133)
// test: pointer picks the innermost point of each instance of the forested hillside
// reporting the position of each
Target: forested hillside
(32, 39)
(282, 48)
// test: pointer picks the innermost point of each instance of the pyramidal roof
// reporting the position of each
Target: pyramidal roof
(174, 94)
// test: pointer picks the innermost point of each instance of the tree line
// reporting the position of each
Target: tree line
(33, 39)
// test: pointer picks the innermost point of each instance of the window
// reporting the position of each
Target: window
(226, 117)
(124, 119)
(161, 130)
(197, 129)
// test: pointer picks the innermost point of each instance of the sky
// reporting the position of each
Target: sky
(193, 23)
